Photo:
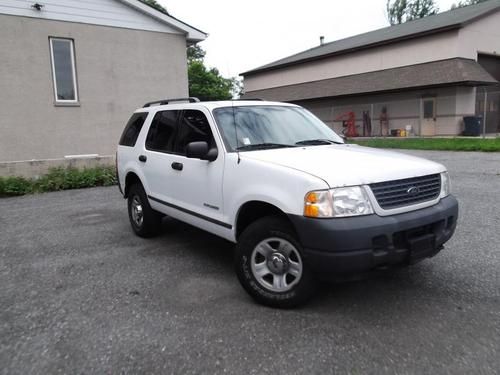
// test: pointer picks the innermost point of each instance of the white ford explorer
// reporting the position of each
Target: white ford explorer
(299, 203)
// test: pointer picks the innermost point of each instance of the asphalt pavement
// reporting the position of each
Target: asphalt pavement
(80, 294)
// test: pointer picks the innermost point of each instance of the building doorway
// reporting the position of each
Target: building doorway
(428, 117)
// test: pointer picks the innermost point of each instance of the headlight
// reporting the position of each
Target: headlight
(339, 202)
(445, 185)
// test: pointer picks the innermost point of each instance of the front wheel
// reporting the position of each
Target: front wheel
(270, 266)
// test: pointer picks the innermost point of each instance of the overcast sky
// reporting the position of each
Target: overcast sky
(247, 34)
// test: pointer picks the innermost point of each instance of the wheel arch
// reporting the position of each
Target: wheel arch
(130, 179)
(253, 210)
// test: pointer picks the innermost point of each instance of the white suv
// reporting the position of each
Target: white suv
(299, 203)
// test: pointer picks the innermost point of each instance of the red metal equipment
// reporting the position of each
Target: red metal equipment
(349, 122)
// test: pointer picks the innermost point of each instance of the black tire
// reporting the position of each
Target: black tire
(279, 231)
(150, 224)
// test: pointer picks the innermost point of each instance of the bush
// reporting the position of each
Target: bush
(12, 186)
(58, 179)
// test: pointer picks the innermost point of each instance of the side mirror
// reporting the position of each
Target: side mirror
(212, 154)
(199, 150)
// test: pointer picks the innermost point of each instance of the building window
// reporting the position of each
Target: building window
(429, 108)
(63, 70)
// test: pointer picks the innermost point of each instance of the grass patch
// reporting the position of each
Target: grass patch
(444, 144)
(58, 179)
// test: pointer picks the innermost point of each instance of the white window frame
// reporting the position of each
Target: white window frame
(73, 65)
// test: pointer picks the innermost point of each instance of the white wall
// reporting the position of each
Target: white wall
(96, 12)
(425, 49)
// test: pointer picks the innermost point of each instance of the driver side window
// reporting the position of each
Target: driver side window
(193, 127)
(162, 131)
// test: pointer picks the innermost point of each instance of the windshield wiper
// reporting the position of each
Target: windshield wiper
(317, 142)
(262, 146)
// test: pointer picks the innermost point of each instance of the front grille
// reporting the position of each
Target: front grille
(400, 193)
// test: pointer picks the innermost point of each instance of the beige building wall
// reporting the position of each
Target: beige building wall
(402, 108)
(118, 70)
(482, 36)
(421, 50)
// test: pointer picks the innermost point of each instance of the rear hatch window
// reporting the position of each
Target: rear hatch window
(132, 129)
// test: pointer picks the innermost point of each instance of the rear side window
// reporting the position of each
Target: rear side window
(162, 131)
(194, 127)
(132, 129)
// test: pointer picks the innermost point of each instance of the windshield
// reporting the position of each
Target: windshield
(259, 127)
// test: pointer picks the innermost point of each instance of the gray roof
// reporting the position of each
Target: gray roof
(193, 35)
(449, 20)
(456, 71)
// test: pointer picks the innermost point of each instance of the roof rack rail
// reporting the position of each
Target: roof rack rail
(251, 99)
(191, 99)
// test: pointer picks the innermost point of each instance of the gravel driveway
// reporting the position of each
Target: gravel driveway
(80, 294)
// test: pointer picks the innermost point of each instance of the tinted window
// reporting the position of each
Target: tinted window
(162, 131)
(63, 66)
(132, 129)
(194, 127)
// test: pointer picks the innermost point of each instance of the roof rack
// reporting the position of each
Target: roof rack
(251, 99)
(191, 99)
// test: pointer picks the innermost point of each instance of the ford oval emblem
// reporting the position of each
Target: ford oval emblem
(414, 190)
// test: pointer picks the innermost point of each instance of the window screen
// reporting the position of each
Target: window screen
(63, 70)
(162, 131)
(194, 127)
(132, 129)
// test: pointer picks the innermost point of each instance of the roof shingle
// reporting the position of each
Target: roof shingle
(456, 71)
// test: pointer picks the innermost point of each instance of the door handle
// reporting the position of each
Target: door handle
(143, 158)
(177, 166)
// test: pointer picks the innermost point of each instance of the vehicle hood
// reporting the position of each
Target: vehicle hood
(347, 164)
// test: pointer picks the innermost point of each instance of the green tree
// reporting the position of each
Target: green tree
(401, 11)
(422, 8)
(195, 52)
(465, 3)
(207, 83)
(397, 11)
(154, 4)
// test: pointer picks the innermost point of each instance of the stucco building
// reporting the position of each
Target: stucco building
(72, 72)
(428, 73)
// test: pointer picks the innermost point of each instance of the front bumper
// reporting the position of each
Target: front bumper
(356, 244)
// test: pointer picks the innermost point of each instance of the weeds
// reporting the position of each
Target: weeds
(58, 179)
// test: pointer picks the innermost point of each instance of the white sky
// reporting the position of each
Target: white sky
(245, 34)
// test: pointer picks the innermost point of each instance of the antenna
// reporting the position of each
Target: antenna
(236, 132)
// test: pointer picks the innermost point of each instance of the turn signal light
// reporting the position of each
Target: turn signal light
(311, 211)
(317, 204)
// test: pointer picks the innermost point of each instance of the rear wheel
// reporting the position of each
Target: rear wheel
(145, 221)
(270, 266)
